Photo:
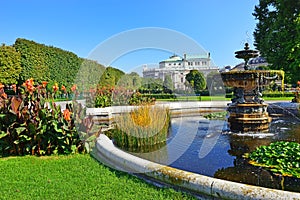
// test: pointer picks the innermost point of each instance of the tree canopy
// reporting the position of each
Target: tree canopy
(10, 65)
(277, 35)
(130, 81)
(168, 84)
(197, 80)
(111, 77)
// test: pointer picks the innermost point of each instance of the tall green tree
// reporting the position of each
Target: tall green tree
(10, 65)
(110, 77)
(277, 35)
(168, 84)
(130, 81)
(89, 74)
(151, 86)
(197, 80)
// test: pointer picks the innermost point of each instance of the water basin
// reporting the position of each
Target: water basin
(207, 147)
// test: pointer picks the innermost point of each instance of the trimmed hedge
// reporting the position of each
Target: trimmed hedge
(160, 96)
(269, 94)
(278, 94)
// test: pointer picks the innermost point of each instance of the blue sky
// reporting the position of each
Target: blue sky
(220, 27)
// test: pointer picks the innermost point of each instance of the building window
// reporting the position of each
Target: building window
(181, 79)
(169, 63)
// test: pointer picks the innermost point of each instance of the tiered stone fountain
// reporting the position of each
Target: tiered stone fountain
(248, 112)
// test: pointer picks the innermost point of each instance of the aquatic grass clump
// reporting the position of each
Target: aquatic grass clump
(279, 157)
(142, 128)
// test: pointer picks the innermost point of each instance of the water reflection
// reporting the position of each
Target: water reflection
(206, 147)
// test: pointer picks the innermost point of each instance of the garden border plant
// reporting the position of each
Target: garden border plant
(141, 130)
(30, 124)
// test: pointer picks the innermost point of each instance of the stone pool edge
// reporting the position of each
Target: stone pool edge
(110, 155)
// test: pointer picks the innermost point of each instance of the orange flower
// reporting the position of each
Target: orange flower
(29, 85)
(1, 86)
(92, 90)
(4, 95)
(29, 82)
(298, 83)
(55, 87)
(44, 83)
(74, 87)
(67, 115)
(14, 87)
(63, 88)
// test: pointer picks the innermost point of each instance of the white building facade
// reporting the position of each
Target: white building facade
(178, 67)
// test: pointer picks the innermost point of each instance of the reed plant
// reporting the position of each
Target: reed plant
(142, 128)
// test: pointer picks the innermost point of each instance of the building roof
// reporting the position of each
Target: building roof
(257, 60)
(196, 56)
(253, 63)
(174, 58)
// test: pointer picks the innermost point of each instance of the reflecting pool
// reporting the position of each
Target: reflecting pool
(207, 147)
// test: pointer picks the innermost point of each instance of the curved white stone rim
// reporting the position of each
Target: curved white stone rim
(110, 155)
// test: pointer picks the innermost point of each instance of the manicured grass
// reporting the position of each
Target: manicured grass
(288, 99)
(221, 98)
(73, 177)
(197, 98)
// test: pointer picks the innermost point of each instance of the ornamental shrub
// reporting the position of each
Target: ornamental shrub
(31, 126)
(105, 96)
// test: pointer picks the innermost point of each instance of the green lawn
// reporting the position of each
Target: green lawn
(288, 99)
(221, 98)
(197, 98)
(73, 177)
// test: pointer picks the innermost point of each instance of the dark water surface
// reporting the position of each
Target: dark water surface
(207, 147)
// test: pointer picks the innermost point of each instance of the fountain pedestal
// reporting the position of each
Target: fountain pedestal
(245, 117)
(248, 112)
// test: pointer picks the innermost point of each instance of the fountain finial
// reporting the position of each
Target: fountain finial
(246, 54)
(246, 46)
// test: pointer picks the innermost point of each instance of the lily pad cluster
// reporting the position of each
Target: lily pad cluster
(216, 115)
(279, 157)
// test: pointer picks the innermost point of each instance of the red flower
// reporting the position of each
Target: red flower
(298, 83)
(44, 83)
(55, 87)
(74, 87)
(29, 85)
(63, 88)
(14, 87)
(67, 115)
(4, 95)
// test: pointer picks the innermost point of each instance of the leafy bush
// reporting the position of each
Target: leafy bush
(107, 96)
(138, 99)
(30, 125)
(278, 94)
(160, 96)
(279, 157)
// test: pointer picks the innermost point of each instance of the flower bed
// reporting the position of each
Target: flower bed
(31, 124)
